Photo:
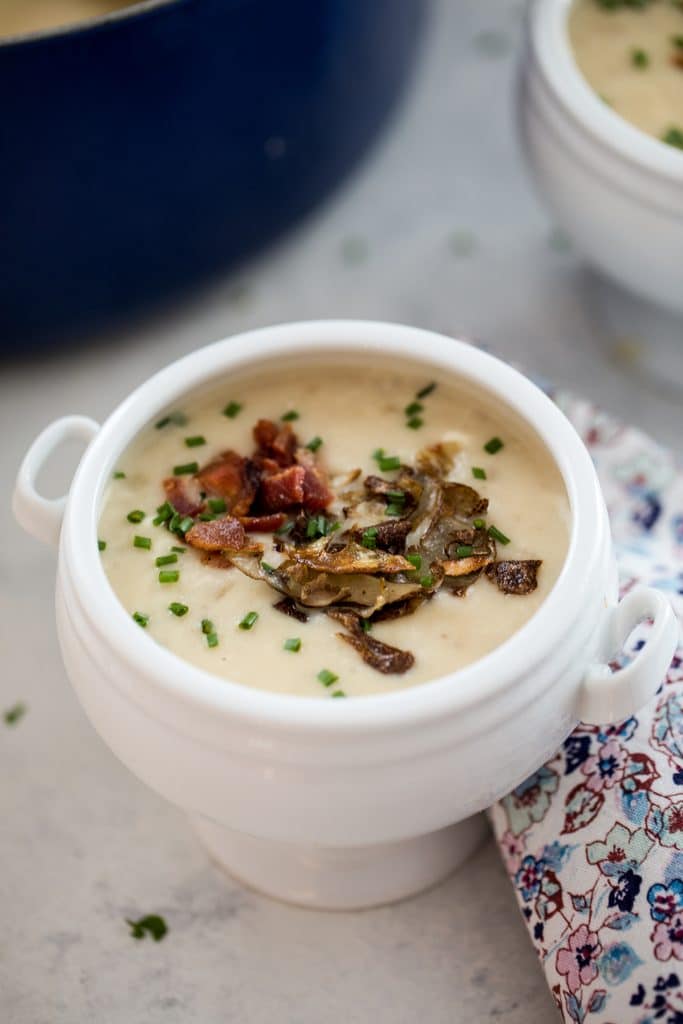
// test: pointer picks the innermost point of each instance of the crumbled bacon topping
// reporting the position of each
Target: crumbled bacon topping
(276, 441)
(233, 478)
(226, 534)
(184, 494)
(283, 489)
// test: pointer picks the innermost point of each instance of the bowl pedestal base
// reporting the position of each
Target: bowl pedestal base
(341, 878)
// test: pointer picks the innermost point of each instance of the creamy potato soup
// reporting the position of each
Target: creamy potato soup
(334, 531)
(631, 53)
(18, 17)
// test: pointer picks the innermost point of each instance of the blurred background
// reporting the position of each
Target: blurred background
(390, 184)
(382, 158)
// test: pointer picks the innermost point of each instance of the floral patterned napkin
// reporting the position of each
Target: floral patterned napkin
(593, 841)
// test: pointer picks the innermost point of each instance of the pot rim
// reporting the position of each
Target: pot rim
(74, 28)
(172, 677)
(551, 46)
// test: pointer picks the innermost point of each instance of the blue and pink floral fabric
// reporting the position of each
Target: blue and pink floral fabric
(593, 841)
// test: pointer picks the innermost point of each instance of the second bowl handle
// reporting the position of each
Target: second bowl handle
(40, 516)
(609, 696)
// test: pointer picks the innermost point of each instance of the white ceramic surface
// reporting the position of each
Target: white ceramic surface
(616, 191)
(315, 778)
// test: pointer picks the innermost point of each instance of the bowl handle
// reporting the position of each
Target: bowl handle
(39, 516)
(609, 696)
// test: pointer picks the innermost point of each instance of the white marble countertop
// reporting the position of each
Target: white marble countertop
(447, 234)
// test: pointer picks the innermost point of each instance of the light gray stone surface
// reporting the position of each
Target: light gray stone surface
(453, 239)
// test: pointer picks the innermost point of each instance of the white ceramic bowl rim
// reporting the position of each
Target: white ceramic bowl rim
(450, 694)
(552, 46)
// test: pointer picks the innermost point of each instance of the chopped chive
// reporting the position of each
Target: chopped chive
(13, 714)
(185, 524)
(212, 639)
(397, 496)
(178, 609)
(136, 516)
(427, 390)
(152, 925)
(286, 527)
(267, 567)
(232, 409)
(217, 504)
(165, 560)
(338, 693)
(464, 550)
(207, 627)
(179, 551)
(142, 542)
(248, 620)
(314, 443)
(427, 581)
(673, 137)
(141, 619)
(414, 423)
(206, 517)
(378, 454)
(389, 462)
(326, 677)
(413, 408)
(415, 560)
(394, 509)
(497, 535)
(186, 469)
(164, 512)
(677, 41)
(101, 545)
(478, 473)
(178, 419)
(366, 625)
(493, 446)
(195, 442)
(169, 576)
(479, 524)
(290, 415)
(293, 644)
(369, 537)
(639, 58)
(318, 526)
(174, 522)
(119, 475)
(312, 528)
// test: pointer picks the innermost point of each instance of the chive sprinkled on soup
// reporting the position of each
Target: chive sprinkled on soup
(631, 53)
(380, 557)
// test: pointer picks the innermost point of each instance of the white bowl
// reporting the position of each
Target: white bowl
(617, 191)
(357, 802)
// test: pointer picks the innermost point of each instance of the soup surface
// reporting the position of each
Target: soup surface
(390, 494)
(18, 17)
(633, 57)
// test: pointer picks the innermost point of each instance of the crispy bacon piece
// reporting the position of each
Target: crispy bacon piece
(317, 494)
(283, 489)
(514, 577)
(218, 535)
(183, 494)
(263, 524)
(233, 478)
(276, 440)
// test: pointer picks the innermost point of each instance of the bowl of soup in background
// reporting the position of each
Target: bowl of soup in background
(343, 803)
(162, 141)
(613, 184)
